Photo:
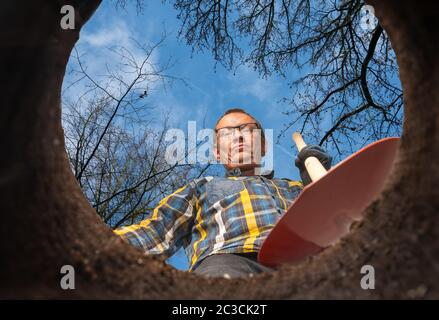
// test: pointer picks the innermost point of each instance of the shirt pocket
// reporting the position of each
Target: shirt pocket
(217, 190)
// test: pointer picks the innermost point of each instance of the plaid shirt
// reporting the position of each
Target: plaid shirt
(214, 215)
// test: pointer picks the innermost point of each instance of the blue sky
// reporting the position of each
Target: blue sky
(210, 89)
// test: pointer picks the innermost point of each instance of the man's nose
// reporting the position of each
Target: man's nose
(237, 136)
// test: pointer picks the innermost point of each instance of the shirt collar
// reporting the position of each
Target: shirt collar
(236, 172)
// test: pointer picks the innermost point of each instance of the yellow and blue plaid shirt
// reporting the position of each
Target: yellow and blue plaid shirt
(214, 215)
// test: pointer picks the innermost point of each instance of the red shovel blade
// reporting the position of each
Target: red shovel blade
(325, 209)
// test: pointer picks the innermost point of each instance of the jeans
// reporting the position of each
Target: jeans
(231, 265)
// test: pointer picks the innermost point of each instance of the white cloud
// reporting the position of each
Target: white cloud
(100, 48)
(248, 82)
(117, 33)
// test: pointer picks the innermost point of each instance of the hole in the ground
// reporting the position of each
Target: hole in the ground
(119, 157)
(69, 231)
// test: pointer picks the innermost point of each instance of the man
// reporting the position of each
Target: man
(222, 221)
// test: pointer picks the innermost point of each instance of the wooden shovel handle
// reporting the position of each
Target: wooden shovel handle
(312, 164)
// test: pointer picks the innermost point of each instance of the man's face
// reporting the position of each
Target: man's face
(239, 143)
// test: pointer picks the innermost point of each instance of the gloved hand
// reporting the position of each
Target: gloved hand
(311, 151)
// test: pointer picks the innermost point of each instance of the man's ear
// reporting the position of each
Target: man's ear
(264, 147)
(216, 151)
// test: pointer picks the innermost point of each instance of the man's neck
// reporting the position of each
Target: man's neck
(248, 172)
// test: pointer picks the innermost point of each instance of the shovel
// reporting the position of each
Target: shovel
(326, 208)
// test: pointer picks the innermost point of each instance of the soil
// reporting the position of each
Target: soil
(46, 222)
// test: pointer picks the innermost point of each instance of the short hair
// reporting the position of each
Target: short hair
(239, 110)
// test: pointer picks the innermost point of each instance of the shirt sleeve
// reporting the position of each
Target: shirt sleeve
(164, 231)
(298, 184)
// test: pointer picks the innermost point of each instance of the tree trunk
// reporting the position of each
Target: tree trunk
(47, 223)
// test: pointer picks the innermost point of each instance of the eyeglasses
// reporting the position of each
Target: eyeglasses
(245, 129)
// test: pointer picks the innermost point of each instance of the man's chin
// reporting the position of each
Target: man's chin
(241, 160)
(242, 167)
